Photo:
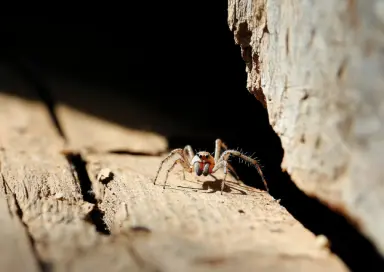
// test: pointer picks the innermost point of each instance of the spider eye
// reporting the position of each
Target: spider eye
(200, 156)
(206, 156)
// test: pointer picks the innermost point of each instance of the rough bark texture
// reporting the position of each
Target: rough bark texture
(317, 66)
(104, 213)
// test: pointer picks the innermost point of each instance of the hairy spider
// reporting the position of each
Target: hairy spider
(204, 164)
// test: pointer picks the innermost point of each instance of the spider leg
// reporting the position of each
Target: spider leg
(178, 161)
(219, 145)
(221, 164)
(188, 153)
(227, 153)
(232, 171)
(174, 152)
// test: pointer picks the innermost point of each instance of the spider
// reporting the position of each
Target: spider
(204, 164)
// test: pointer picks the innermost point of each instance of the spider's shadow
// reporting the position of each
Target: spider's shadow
(215, 186)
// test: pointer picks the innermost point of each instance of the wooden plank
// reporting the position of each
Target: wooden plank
(179, 229)
(102, 135)
(190, 229)
(49, 197)
(16, 250)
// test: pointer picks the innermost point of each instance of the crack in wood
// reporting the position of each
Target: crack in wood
(345, 240)
(80, 173)
(128, 152)
(43, 266)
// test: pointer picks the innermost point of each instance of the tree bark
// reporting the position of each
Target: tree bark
(317, 67)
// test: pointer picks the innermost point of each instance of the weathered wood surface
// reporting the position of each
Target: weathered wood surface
(40, 182)
(188, 228)
(317, 66)
(200, 226)
(16, 249)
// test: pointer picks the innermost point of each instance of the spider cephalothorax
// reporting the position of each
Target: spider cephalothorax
(204, 164)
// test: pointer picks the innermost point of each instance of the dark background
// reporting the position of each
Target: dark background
(171, 69)
(175, 72)
(182, 67)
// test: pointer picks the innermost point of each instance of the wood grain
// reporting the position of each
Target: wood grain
(49, 197)
(188, 226)
(191, 227)
(102, 135)
(17, 253)
(320, 68)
